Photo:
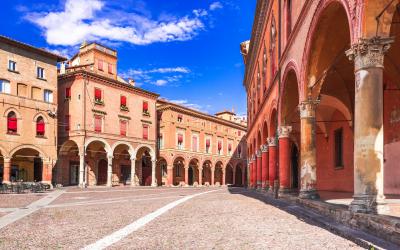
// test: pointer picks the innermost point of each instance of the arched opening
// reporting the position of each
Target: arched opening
(144, 166)
(330, 78)
(391, 106)
(122, 165)
(67, 172)
(12, 123)
(238, 175)
(96, 164)
(290, 116)
(218, 173)
(179, 171)
(163, 177)
(193, 174)
(229, 175)
(207, 173)
(40, 127)
(26, 165)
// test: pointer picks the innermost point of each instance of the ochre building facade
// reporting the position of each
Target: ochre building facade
(198, 149)
(28, 108)
(323, 98)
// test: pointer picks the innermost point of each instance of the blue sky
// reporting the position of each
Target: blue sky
(185, 50)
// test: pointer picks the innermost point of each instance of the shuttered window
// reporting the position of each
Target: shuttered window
(98, 122)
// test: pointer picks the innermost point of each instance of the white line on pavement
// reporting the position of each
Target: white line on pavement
(33, 207)
(125, 231)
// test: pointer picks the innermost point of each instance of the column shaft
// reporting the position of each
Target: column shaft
(7, 170)
(187, 176)
(200, 176)
(109, 170)
(272, 161)
(81, 170)
(153, 173)
(284, 158)
(259, 169)
(133, 172)
(170, 175)
(212, 176)
(265, 165)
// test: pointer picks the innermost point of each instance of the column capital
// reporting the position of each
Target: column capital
(253, 157)
(271, 141)
(258, 153)
(7, 159)
(284, 131)
(264, 148)
(369, 52)
(133, 158)
(307, 108)
(110, 156)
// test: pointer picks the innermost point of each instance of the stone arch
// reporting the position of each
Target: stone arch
(12, 109)
(289, 95)
(273, 122)
(30, 146)
(107, 147)
(4, 152)
(229, 174)
(321, 10)
(131, 150)
(142, 147)
(265, 132)
(371, 9)
(176, 156)
(64, 148)
(43, 115)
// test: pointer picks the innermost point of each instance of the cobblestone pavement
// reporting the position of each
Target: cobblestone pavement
(217, 220)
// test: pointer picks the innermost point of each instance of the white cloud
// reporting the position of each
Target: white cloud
(157, 76)
(216, 5)
(86, 20)
(187, 104)
(200, 12)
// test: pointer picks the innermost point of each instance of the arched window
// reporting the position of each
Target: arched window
(273, 47)
(288, 18)
(40, 127)
(12, 125)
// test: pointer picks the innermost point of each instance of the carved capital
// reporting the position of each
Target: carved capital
(307, 108)
(271, 142)
(264, 148)
(369, 52)
(258, 153)
(253, 157)
(284, 131)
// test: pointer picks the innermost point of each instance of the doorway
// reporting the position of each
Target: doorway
(102, 172)
(37, 169)
(191, 176)
(295, 167)
(73, 173)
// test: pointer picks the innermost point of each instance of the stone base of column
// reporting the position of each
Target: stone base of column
(49, 183)
(309, 194)
(368, 204)
(284, 190)
(154, 184)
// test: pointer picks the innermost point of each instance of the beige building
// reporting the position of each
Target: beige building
(200, 149)
(28, 121)
(106, 124)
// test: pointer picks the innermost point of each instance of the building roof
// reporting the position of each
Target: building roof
(164, 104)
(226, 112)
(28, 47)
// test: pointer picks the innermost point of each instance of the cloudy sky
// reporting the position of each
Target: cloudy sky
(185, 50)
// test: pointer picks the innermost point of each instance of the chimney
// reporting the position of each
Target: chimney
(131, 82)
(62, 68)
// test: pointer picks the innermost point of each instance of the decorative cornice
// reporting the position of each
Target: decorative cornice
(284, 131)
(369, 52)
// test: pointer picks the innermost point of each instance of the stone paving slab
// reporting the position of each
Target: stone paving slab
(222, 220)
(19, 200)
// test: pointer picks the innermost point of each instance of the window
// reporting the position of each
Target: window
(123, 105)
(229, 149)
(98, 96)
(5, 87)
(100, 65)
(98, 123)
(239, 151)
(48, 96)
(339, 148)
(208, 145)
(145, 132)
(40, 73)
(12, 124)
(68, 93)
(219, 147)
(180, 118)
(239, 133)
(164, 170)
(122, 127)
(40, 126)
(12, 65)
(110, 69)
(180, 141)
(22, 90)
(288, 18)
(146, 108)
(67, 122)
(36, 93)
(194, 143)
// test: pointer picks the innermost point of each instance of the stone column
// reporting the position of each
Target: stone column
(243, 176)
(233, 176)
(47, 171)
(133, 172)
(259, 169)
(264, 166)
(6, 170)
(170, 175)
(186, 176)
(153, 173)
(284, 158)
(200, 176)
(368, 55)
(255, 171)
(82, 183)
(212, 176)
(308, 154)
(272, 161)
(109, 170)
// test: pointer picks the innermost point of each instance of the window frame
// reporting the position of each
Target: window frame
(3, 83)
(48, 91)
(14, 63)
(40, 133)
(40, 73)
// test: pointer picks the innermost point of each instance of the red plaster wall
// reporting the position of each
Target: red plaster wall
(329, 178)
